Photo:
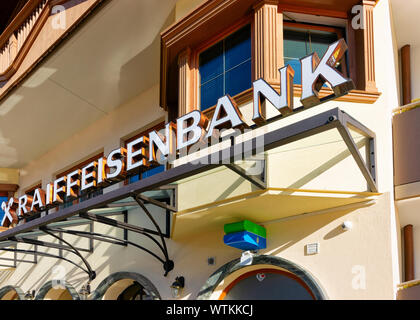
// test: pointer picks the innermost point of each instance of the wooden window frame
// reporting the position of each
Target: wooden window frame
(80, 165)
(195, 89)
(30, 191)
(212, 19)
(9, 189)
(157, 127)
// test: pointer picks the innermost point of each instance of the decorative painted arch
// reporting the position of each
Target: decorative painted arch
(50, 284)
(113, 278)
(264, 261)
(5, 290)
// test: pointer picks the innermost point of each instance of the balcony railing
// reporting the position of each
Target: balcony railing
(17, 38)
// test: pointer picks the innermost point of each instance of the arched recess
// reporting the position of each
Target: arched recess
(221, 281)
(52, 290)
(116, 285)
(11, 293)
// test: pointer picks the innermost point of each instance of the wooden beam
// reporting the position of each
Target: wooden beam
(406, 74)
(9, 187)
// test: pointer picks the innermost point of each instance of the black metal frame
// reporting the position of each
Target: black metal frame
(167, 263)
(242, 172)
(15, 259)
(331, 119)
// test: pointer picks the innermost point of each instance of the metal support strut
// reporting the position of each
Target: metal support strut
(91, 273)
(168, 265)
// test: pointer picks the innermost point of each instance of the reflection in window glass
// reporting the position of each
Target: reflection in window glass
(299, 43)
(147, 174)
(225, 68)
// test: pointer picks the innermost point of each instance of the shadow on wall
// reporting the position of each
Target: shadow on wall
(294, 231)
(74, 277)
(328, 165)
(72, 274)
(236, 184)
(134, 68)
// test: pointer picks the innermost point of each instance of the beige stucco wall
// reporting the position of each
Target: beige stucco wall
(48, 36)
(183, 7)
(372, 244)
(104, 135)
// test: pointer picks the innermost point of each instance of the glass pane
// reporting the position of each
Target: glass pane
(300, 43)
(153, 171)
(238, 47)
(67, 203)
(210, 92)
(295, 44)
(319, 42)
(295, 64)
(238, 79)
(211, 62)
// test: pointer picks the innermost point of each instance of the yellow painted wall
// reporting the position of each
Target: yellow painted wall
(9, 176)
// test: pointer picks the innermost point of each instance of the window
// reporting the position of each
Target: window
(301, 40)
(147, 173)
(225, 68)
(182, 90)
(152, 170)
(84, 194)
(3, 198)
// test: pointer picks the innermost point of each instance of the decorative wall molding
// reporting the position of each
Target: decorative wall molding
(203, 23)
(268, 48)
(362, 50)
(18, 38)
(185, 89)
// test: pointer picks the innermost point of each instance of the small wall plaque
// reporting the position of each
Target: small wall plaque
(312, 248)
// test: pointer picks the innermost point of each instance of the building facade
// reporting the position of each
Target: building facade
(86, 85)
(405, 133)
